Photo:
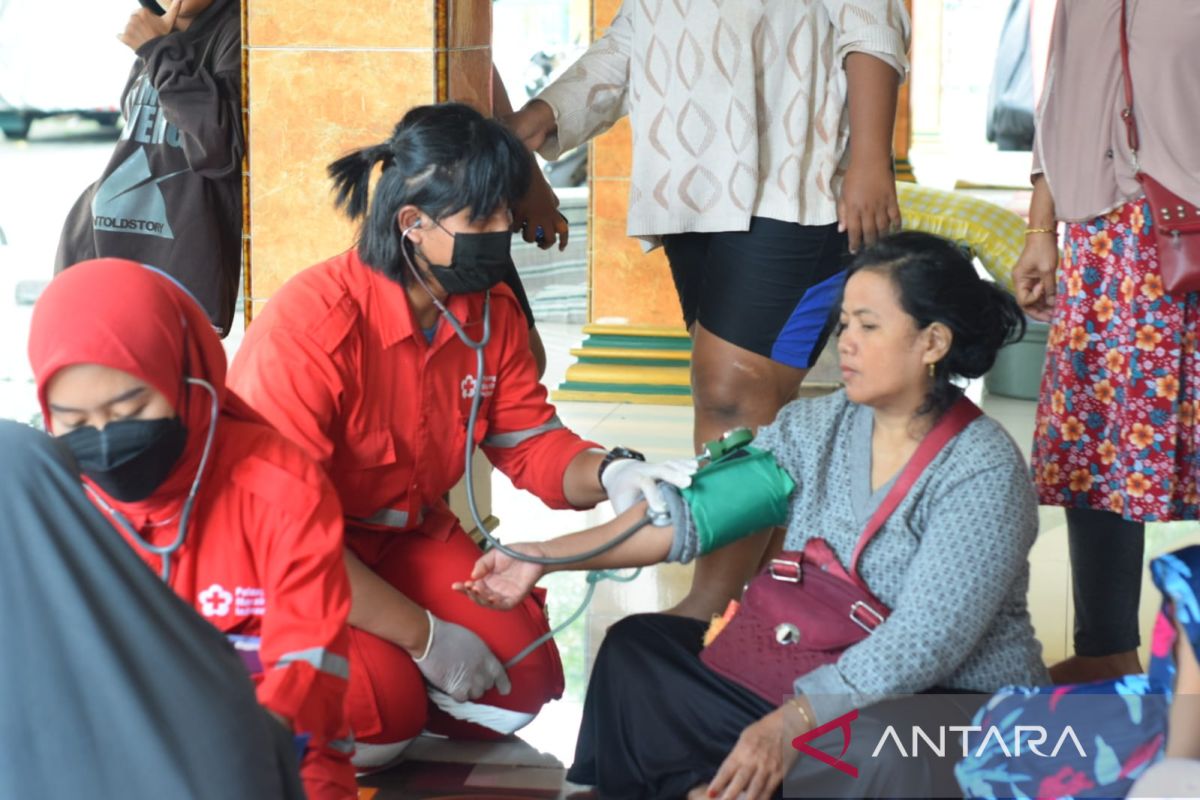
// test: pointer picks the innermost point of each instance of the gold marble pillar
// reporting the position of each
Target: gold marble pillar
(902, 138)
(327, 76)
(637, 349)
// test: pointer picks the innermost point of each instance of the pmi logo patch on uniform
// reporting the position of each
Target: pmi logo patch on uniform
(469, 384)
(215, 601)
(249, 601)
(243, 601)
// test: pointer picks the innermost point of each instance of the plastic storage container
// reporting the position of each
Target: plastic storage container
(1018, 369)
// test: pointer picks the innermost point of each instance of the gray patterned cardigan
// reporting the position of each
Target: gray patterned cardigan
(951, 561)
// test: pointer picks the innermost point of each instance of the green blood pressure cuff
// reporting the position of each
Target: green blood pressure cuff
(740, 491)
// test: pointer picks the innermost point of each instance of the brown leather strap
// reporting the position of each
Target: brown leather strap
(1131, 131)
(958, 417)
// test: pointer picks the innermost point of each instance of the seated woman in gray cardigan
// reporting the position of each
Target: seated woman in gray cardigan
(951, 561)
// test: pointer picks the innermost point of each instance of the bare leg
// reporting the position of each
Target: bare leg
(1183, 738)
(731, 387)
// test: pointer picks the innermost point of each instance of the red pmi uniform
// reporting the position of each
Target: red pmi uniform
(338, 364)
(262, 556)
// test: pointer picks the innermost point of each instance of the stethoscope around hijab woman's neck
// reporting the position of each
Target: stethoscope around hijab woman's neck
(166, 551)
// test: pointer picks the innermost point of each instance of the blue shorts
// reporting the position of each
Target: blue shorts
(770, 290)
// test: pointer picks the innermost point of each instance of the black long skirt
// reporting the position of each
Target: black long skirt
(657, 723)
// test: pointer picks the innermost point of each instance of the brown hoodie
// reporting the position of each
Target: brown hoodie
(171, 194)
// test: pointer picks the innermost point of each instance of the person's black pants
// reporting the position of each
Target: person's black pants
(657, 722)
(1106, 572)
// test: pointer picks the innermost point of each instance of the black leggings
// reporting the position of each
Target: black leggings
(1106, 568)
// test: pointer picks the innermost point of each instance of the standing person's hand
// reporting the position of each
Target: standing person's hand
(533, 123)
(1034, 276)
(144, 25)
(536, 215)
(868, 208)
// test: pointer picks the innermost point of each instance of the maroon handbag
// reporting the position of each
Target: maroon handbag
(805, 609)
(1176, 221)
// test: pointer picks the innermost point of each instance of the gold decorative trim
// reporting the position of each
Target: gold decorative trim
(656, 331)
(573, 395)
(441, 50)
(627, 374)
(247, 276)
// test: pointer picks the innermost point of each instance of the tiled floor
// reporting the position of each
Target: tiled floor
(532, 767)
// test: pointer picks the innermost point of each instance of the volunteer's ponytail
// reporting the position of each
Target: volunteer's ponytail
(351, 176)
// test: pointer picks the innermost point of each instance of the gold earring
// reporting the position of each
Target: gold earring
(933, 369)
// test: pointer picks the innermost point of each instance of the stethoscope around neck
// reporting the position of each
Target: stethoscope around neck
(166, 551)
(473, 418)
(469, 451)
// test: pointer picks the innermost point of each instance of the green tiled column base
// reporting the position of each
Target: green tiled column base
(630, 364)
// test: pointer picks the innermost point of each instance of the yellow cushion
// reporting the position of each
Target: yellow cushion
(994, 235)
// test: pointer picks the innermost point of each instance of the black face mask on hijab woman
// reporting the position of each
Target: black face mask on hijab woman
(130, 458)
(479, 262)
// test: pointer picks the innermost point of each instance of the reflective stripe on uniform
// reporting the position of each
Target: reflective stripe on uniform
(319, 658)
(343, 745)
(387, 517)
(515, 438)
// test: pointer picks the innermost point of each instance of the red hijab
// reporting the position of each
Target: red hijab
(126, 316)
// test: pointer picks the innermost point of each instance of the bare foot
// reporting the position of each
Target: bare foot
(1089, 669)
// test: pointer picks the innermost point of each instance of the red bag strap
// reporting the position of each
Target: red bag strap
(958, 417)
(1131, 131)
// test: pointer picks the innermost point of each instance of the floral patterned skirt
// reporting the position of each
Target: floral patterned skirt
(1116, 422)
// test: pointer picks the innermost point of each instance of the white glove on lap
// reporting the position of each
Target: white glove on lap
(459, 663)
(628, 480)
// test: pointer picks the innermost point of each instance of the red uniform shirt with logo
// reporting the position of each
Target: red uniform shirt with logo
(337, 363)
(262, 556)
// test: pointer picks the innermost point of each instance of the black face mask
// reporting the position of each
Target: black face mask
(479, 262)
(130, 458)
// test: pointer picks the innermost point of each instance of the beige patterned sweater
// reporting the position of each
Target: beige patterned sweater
(738, 107)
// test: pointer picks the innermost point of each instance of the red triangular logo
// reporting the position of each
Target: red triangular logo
(801, 742)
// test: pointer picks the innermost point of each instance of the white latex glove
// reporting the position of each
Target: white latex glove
(459, 663)
(628, 480)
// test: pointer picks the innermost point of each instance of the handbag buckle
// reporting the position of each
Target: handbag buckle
(872, 615)
(786, 633)
(781, 569)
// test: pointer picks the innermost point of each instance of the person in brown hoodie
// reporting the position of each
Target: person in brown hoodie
(171, 194)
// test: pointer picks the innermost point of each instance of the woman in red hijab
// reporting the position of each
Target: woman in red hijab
(237, 520)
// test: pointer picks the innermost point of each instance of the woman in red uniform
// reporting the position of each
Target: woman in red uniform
(360, 360)
(238, 521)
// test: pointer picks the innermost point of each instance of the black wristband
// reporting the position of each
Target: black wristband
(616, 454)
